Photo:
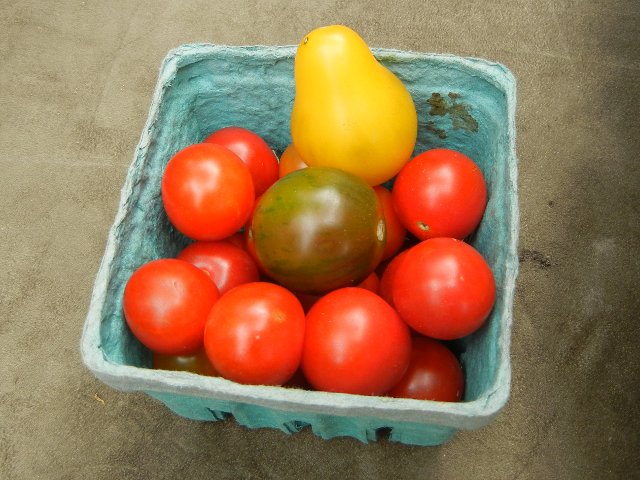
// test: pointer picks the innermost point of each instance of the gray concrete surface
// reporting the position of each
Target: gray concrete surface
(75, 84)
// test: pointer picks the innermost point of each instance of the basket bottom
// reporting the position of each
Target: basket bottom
(322, 425)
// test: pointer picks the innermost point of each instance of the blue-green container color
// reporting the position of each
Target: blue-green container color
(463, 103)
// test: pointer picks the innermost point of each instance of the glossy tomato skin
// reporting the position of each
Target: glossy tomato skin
(318, 229)
(440, 193)
(434, 373)
(227, 264)
(396, 232)
(355, 343)
(253, 151)
(207, 192)
(290, 161)
(443, 288)
(254, 334)
(166, 303)
(196, 363)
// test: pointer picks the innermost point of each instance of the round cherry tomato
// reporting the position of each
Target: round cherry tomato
(290, 161)
(440, 193)
(197, 363)
(443, 288)
(355, 343)
(434, 373)
(253, 151)
(318, 229)
(254, 334)
(227, 264)
(207, 192)
(166, 303)
(395, 230)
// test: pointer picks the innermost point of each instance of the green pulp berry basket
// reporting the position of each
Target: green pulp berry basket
(463, 103)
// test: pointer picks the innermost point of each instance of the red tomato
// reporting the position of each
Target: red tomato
(238, 239)
(290, 161)
(227, 264)
(440, 193)
(307, 300)
(388, 277)
(166, 303)
(354, 343)
(443, 288)
(434, 373)
(197, 363)
(395, 230)
(254, 334)
(253, 151)
(371, 283)
(207, 192)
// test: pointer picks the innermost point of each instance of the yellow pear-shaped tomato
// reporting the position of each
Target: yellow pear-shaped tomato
(350, 112)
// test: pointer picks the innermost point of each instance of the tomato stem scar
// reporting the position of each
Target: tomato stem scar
(422, 226)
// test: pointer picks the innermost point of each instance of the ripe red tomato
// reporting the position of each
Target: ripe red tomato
(227, 264)
(371, 283)
(440, 193)
(434, 373)
(395, 230)
(166, 303)
(354, 343)
(290, 161)
(253, 151)
(254, 334)
(443, 288)
(197, 363)
(388, 277)
(207, 192)
(238, 239)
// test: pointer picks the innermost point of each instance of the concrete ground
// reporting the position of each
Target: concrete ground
(76, 80)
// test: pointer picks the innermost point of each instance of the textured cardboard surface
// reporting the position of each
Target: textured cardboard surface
(77, 82)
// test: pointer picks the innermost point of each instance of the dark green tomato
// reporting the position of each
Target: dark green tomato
(318, 229)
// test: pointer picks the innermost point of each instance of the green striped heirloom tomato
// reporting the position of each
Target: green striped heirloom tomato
(318, 229)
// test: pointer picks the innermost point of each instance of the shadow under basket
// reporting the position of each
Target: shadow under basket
(463, 103)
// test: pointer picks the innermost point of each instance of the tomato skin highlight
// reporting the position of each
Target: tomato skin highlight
(434, 373)
(166, 303)
(253, 151)
(318, 229)
(254, 334)
(440, 193)
(207, 192)
(227, 264)
(443, 288)
(354, 343)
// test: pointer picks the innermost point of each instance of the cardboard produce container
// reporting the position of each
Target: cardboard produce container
(463, 103)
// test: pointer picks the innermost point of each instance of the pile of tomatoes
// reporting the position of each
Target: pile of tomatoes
(309, 277)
